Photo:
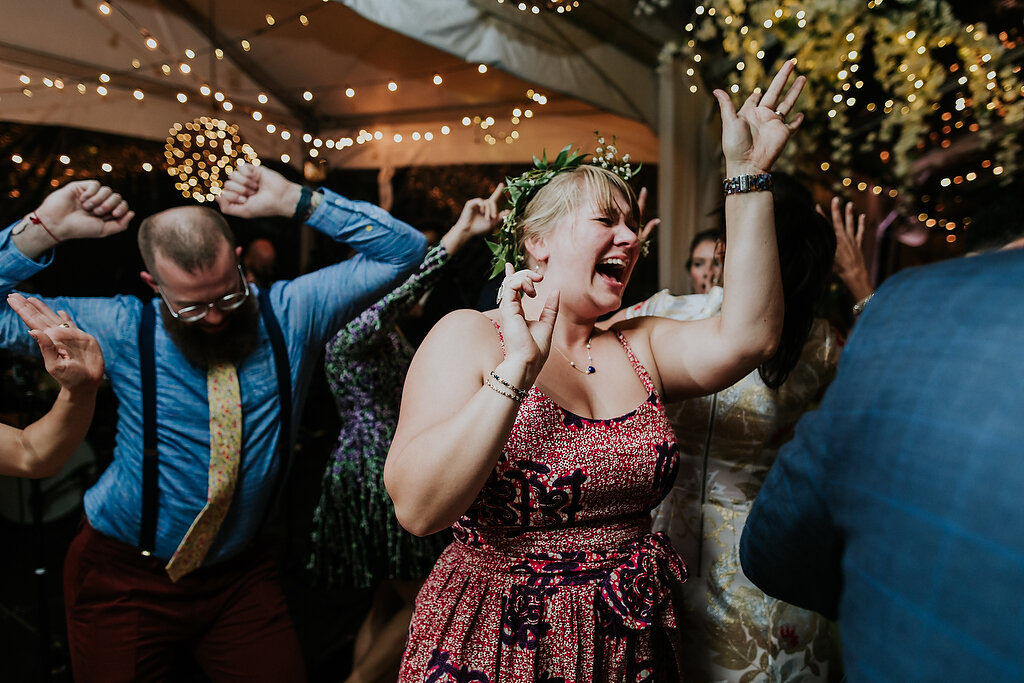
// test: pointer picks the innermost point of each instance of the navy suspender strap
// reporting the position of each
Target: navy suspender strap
(147, 367)
(284, 392)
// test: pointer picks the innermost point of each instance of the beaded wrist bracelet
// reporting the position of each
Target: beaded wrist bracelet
(520, 393)
(501, 391)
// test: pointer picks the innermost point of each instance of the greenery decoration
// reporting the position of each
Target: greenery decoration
(524, 188)
(900, 93)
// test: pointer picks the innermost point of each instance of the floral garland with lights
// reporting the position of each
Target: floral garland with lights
(523, 188)
(883, 75)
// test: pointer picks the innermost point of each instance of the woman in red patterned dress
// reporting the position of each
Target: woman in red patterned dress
(547, 465)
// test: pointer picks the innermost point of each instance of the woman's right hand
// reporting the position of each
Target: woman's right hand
(479, 216)
(526, 341)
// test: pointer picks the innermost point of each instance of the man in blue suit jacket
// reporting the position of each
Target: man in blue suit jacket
(898, 507)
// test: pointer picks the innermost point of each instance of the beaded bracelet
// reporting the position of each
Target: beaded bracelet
(520, 393)
(501, 391)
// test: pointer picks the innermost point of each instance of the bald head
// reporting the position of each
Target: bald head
(260, 255)
(191, 237)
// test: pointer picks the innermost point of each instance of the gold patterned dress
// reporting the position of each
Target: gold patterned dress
(728, 441)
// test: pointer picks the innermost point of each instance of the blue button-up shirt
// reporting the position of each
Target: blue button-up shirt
(309, 309)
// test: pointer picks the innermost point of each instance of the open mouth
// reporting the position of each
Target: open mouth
(612, 269)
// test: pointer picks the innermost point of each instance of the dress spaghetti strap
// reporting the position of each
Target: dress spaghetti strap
(501, 337)
(638, 367)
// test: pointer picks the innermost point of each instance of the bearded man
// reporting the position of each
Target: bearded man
(211, 375)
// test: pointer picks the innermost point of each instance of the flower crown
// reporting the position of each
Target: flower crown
(522, 189)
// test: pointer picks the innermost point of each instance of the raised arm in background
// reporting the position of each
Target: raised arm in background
(74, 359)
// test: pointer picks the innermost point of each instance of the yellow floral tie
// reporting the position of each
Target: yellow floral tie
(225, 445)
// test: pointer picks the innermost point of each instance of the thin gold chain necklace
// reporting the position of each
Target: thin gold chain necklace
(572, 364)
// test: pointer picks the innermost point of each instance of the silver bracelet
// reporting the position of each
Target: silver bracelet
(858, 307)
(762, 182)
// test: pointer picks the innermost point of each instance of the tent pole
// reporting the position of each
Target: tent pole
(688, 166)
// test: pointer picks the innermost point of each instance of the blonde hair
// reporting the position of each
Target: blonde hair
(566, 193)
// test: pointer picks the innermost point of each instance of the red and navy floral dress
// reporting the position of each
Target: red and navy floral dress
(554, 574)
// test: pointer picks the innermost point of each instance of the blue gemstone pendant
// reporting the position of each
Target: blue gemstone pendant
(572, 364)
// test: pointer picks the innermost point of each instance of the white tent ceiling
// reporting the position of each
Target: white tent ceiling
(596, 69)
(326, 48)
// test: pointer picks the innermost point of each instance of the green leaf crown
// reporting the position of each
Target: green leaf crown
(522, 189)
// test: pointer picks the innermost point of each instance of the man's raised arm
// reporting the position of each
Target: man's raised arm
(82, 209)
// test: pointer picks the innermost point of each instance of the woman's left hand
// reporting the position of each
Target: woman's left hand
(71, 356)
(754, 137)
(644, 233)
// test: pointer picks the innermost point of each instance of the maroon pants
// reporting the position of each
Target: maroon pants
(128, 622)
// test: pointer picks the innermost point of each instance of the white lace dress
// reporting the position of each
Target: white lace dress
(728, 441)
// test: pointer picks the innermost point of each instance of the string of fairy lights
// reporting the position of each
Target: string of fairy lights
(939, 80)
(537, 6)
(494, 127)
(973, 91)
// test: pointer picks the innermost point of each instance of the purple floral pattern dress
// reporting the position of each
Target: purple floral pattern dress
(553, 574)
(356, 538)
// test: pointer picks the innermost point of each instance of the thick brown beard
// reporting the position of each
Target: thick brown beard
(206, 349)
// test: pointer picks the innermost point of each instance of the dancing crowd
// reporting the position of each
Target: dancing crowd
(566, 487)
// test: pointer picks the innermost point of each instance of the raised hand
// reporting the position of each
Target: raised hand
(256, 191)
(527, 341)
(849, 263)
(70, 355)
(754, 137)
(645, 232)
(479, 217)
(84, 209)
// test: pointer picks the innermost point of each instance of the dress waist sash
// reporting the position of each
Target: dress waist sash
(633, 578)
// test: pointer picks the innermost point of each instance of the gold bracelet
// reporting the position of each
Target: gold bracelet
(520, 393)
(501, 391)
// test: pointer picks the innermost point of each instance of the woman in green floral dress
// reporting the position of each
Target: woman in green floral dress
(357, 542)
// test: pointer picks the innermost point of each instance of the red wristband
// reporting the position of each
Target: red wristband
(38, 221)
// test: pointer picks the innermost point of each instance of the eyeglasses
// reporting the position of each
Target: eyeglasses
(225, 304)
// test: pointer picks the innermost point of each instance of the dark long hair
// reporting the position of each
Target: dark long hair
(712, 235)
(807, 248)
